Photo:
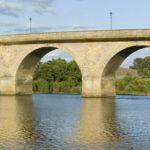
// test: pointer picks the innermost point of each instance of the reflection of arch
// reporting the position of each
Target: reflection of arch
(97, 121)
(25, 70)
(108, 75)
(11, 125)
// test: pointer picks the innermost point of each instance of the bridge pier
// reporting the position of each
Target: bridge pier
(91, 87)
(108, 87)
(97, 88)
(91, 81)
(7, 85)
(23, 86)
(10, 86)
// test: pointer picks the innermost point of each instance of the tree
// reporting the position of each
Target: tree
(57, 76)
(142, 65)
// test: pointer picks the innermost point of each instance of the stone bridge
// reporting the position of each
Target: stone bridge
(97, 53)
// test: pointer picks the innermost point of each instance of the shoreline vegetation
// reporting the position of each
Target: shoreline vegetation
(133, 86)
(59, 76)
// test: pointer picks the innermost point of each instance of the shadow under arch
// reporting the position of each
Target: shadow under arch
(23, 77)
(108, 75)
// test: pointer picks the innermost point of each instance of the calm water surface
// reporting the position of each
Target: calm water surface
(68, 122)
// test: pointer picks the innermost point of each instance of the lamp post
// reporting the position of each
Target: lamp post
(30, 19)
(111, 21)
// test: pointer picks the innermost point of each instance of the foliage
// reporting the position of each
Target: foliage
(136, 85)
(41, 85)
(142, 65)
(60, 76)
(133, 85)
(57, 76)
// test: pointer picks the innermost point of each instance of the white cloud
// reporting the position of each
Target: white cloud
(9, 8)
(57, 54)
(41, 6)
(13, 8)
(7, 24)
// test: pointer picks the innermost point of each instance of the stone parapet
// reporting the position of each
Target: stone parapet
(82, 36)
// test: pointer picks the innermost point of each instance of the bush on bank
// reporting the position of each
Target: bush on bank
(133, 85)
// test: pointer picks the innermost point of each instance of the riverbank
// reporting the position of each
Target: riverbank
(126, 86)
(133, 86)
(133, 93)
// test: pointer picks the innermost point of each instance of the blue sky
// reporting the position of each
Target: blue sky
(68, 15)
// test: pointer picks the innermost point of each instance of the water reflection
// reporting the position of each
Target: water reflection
(97, 121)
(65, 122)
(9, 123)
(16, 122)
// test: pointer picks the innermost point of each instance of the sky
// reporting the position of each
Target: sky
(70, 15)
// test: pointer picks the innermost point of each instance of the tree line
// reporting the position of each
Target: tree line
(60, 76)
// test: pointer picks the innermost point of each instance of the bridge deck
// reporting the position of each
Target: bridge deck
(76, 36)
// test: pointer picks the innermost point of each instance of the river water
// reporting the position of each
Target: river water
(69, 122)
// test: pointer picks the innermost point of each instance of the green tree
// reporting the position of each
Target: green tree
(58, 76)
(142, 65)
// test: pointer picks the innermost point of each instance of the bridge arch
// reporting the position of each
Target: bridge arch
(25, 69)
(109, 71)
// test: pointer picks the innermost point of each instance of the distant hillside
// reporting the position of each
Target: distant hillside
(122, 72)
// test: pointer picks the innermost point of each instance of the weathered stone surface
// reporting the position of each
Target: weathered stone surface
(97, 53)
